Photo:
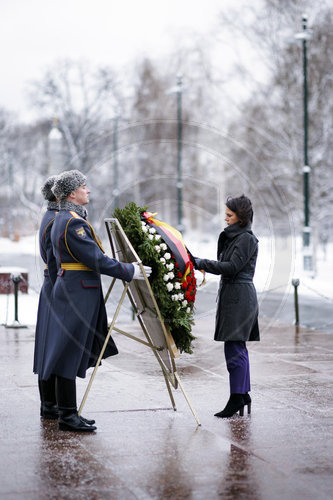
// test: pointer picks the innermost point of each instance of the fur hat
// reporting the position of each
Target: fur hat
(67, 182)
(46, 189)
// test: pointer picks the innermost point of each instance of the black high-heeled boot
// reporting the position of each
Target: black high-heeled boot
(235, 404)
(69, 419)
(247, 402)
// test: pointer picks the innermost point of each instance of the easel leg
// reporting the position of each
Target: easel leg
(109, 290)
(103, 349)
(187, 399)
(169, 391)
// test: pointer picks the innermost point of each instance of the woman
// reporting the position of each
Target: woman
(237, 308)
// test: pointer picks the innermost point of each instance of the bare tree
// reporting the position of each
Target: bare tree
(81, 99)
(270, 126)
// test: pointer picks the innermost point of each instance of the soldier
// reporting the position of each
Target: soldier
(48, 408)
(77, 324)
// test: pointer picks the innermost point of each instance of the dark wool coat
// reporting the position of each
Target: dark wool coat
(77, 323)
(50, 276)
(237, 308)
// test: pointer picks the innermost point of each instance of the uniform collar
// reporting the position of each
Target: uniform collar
(52, 205)
(69, 206)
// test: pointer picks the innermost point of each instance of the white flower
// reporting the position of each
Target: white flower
(167, 256)
(188, 309)
(144, 229)
(171, 275)
(162, 259)
(152, 230)
(174, 297)
(169, 287)
(180, 297)
(163, 246)
(150, 236)
(157, 248)
(143, 223)
(170, 266)
(157, 237)
(166, 277)
(184, 303)
(177, 286)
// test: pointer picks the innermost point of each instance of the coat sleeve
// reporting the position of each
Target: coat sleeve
(50, 258)
(84, 248)
(243, 251)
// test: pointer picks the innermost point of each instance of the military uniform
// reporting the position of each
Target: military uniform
(50, 275)
(77, 323)
(47, 394)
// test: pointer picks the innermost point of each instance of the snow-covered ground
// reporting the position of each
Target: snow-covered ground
(279, 261)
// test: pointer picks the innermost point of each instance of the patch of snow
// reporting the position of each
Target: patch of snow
(26, 308)
(12, 270)
(26, 245)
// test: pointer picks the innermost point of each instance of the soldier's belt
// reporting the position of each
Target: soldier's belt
(74, 266)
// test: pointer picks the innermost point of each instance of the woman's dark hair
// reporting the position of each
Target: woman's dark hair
(242, 207)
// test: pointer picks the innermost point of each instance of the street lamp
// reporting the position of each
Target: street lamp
(55, 148)
(11, 210)
(179, 89)
(305, 35)
(115, 162)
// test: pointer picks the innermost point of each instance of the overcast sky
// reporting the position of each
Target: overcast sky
(36, 33)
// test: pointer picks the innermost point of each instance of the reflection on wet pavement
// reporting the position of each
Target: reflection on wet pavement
(143, 450)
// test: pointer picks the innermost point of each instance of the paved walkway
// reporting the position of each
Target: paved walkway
(144, 450)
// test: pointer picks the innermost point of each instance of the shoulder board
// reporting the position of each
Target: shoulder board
(76, 216)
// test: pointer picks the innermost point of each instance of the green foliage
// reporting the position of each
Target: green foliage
(177, 319)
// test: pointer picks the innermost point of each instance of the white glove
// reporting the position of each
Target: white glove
(138, 275)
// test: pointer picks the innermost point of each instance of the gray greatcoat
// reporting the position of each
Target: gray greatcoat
(50, 276)
(77, 320)
(237, 308)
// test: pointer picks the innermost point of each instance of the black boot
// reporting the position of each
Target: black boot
(72, 397)
(48, 407)
(49, 411)
(87, 421)
(247, 402)
(235, 404)
(69, 419)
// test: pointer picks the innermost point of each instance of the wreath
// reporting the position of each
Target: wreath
(172, 279)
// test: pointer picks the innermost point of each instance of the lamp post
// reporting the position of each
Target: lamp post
(115, 162)
(179, 89)
(55, 148)
(179, 154)
(11, 204)
(307, 252)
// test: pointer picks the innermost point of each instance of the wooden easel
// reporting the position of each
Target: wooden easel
(157, 336)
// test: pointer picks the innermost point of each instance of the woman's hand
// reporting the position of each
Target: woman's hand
(196, 263)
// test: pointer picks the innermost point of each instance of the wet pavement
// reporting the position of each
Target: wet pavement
(143, 449)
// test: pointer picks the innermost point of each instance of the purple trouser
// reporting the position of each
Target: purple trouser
(237, 359)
